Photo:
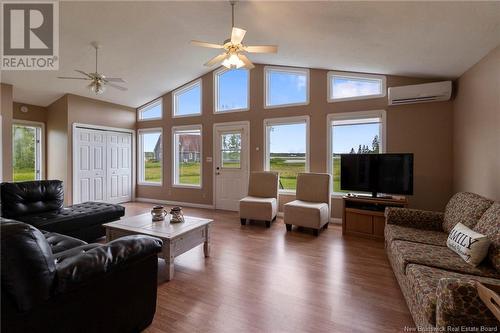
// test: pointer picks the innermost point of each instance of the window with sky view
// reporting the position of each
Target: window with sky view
(152, 157)
(232, 90)
(347, 87)
(286, 87)
(187, 100)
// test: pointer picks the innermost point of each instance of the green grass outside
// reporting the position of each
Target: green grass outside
(21, 175)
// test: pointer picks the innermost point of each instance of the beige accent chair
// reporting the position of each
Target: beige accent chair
(311, 208)
(262, 201)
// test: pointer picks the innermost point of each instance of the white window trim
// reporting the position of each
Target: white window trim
(183, 89)
(352, 116)
(285, 121)
(174, 155)
(158, 101)
(355, 76)
(216, 74)
(140, 167)
(42, 143)
(294, 70)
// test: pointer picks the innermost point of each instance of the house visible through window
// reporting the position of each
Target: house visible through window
(151, 156)
(286, 86)
(186, 101)
(151, 111)
(231, 89)
(27, 152)
(187, 156)
(287, 149)
(359, 133)
(352, 86)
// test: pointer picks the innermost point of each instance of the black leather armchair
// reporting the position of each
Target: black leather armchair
(55, 283)
(40, 203)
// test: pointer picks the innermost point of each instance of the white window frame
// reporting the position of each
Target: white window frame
(40, 152)
(140, 110)
(217, 73)
(352, 116)
(140, 167)
(285, 121)
(348, 75)
(182, 90)
(175, 169)
(292, 70)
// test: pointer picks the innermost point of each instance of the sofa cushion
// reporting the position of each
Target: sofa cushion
(59, 243)
(263, 209)
(405, 253)
(75, 217)
(466, 208)
(489, 225)
(423, 282)
(306, 214)
(432, 237)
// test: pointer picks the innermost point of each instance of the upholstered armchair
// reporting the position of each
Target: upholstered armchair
(262, 201)
(311, 208)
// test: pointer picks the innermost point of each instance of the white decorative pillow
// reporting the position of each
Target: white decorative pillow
(470, 245)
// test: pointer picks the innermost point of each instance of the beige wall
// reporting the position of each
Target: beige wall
(424, 129)
(476, 124)
(35, 112)
(7, 115)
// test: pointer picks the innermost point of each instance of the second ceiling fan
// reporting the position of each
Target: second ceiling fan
(233, 56)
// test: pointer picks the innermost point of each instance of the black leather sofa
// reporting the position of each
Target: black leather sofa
(55, 283)
(41, 204)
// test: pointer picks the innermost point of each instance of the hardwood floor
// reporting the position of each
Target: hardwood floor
(268, 280)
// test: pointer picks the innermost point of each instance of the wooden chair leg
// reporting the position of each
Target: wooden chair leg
(243, 221)
(316, 232)
(288, 227)
(268, 224)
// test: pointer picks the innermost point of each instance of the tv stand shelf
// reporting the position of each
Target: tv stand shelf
(364, 216)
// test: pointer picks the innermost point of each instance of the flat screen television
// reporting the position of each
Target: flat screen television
(377, 173)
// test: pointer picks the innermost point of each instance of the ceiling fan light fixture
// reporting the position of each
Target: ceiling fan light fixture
(233, 62)
(97, 88)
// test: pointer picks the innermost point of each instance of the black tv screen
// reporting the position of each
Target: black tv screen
(377, 173)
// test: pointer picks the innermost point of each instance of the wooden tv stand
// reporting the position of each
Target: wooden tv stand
(364, 216)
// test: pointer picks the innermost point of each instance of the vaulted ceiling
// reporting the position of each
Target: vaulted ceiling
(147, 43)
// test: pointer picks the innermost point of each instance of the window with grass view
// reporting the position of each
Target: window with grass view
(353, 136)
(286, 150)
(151, 111)
(27, 152)
(187, 100)
(151, 155)
(187, 156)
(231, 150)
(231, 89)
(286, 86)
(351, 86)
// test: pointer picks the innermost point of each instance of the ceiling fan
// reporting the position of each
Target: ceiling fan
(99, 81)
(233, 56)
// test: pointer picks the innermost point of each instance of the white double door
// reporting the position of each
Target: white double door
(102, 166)
(231, 164)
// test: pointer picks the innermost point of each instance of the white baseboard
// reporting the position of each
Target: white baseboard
(174, 203)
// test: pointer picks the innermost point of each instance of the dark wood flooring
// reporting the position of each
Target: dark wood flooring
(268, 280)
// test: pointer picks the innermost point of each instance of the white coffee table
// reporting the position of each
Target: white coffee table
(177, 237)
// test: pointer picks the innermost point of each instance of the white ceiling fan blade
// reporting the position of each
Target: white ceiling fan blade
(246, 61)
(114, 79)
(82, 72)
(72, 78)
(216, 59)
(237, 35)
(262, 49)
(116, 86)
(204, 44)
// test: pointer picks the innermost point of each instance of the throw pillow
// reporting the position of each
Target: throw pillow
(468, 244)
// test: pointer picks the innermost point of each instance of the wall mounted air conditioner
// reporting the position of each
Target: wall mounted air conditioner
(420, 93)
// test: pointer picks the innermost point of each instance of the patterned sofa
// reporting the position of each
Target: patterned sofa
(437, 284)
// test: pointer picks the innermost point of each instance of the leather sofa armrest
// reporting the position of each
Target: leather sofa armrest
(414, 218)
(89, 264)
(458, 305)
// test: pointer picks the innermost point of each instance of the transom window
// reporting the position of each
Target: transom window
(150, 156)
(231, 150)
(187, 141)
(151, 111)
(231, 89)
(186, 101)
(353, 86)
(354, 133)
(287, 149)
(286, 86)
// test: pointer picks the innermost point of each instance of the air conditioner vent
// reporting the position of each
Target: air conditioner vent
(420, 93)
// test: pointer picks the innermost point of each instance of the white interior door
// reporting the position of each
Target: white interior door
(231, 144)
(119, 170)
